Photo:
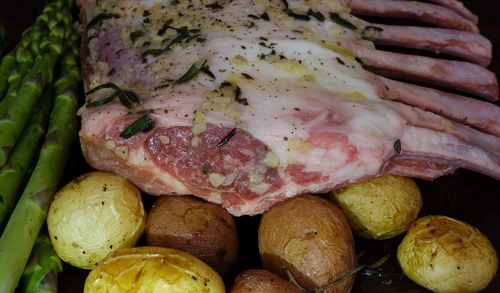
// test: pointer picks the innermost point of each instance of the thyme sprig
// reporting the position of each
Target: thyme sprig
(126, 97)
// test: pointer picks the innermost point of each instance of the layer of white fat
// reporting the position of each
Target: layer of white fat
(310, 77)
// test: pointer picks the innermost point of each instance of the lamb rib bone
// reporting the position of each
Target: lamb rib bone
(433, 14)
(308, 116)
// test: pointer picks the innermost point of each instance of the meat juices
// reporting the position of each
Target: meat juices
(257, 101)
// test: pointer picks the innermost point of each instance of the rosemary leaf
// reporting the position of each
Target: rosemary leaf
(397, 146)
(124, 100)
(143, 124)
(164, 27)
(102, 101)
(154, 52)
(99, 19)
(193, 71)
(108, 85)
(226, 138)
(135, 35)
(341, 21)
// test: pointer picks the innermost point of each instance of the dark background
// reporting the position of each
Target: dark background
(466, 195)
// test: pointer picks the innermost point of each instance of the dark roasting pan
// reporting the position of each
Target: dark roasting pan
(466, 195)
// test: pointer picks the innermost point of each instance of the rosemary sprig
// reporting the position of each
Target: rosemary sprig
(143, 124)
(126, 97)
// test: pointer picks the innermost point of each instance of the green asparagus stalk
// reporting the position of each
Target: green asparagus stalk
(7, 65)
(25, 151)
(24, 61)
(20, 107)
(30, 213)
(40, 275)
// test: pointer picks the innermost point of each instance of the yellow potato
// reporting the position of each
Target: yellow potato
(93, 215)
(380, 208)
(152, 269)
(310, 237)
(446, 255)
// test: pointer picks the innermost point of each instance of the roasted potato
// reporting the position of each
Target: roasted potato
(201, 228)
(310, 238)
(262, 281)
(93, 215)
(152, 269)
(446, 255)
(380, 208)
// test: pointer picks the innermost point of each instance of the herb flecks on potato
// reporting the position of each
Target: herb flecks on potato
(94, 215)
(447, 255)
(152, 269)
(380, 208)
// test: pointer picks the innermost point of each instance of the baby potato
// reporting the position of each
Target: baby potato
(152, 269)
(189, 224)
(446, 255)
(94, 215)
(262, 281)
(380, 208)
(310, 238)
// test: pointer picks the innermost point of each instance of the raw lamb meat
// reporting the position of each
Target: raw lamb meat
(246, 103)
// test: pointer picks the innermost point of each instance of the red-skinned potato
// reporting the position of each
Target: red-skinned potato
(310, 238)
(203, 229)
(262, 281)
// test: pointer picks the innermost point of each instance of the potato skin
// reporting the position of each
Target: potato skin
(310, 237)
(152, 269)
(446, 255)
(262, 281)
(93, 215)
(380, 208)
(201, 228)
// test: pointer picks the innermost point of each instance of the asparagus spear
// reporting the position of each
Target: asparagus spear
(40, 275)
(14, 120)
(8, 63)
(24, 60)
(30, 213)
(13, 173)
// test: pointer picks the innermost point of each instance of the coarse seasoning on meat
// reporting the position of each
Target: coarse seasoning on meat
(247, 103)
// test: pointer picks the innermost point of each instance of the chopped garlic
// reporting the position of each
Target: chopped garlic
(216, 179)
(300, 145)
(229, 179)
(122, 152)
(164, 139)
(255, 178)
(199, 128)
(271, 160)
(195, 141)
(222, 100)
(110, 144)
